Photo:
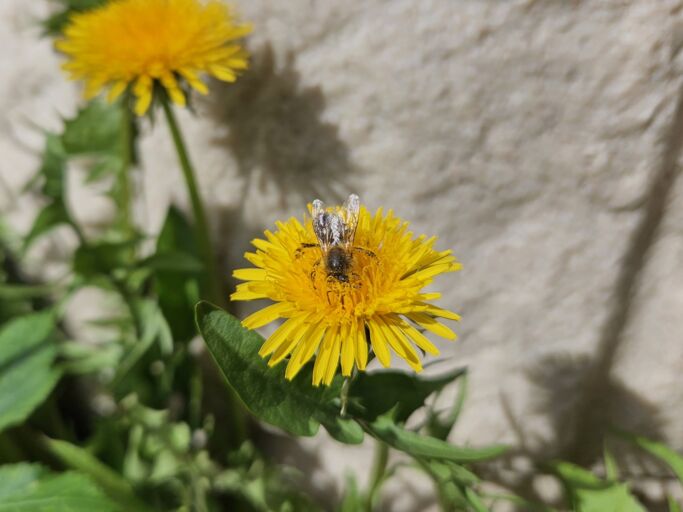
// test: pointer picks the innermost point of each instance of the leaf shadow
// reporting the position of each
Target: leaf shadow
(561, 381)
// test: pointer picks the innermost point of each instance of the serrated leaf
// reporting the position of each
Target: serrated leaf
(417, 445)
(379, 392)
(27, 375)
(66, 492)
(295, 406)
(113, 484)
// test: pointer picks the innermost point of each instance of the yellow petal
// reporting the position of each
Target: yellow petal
(420, 339)
(266, 315)
(116, 90)
(143, 92)
(276, 339)
(348, 348)
(432, 325)
(249, 274)
(379, 344)
(324, 355)
(333, 361)
(361, 346)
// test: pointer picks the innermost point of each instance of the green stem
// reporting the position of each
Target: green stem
(379, 467)
(202, 228)
(345, 396)
(123, 178)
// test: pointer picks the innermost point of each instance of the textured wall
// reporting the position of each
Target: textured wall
(539, 139)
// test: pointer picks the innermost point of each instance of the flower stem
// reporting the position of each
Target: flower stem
(123, 178)
(379, 467)
(345, 396)
(202, 228)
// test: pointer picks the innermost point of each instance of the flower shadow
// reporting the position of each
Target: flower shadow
(277, 133)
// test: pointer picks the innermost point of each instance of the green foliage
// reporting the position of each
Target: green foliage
(99, 134)
(27, 372)
(379, 392)
(177, 268)
(659, 451)
(113, 484)
(394, 435)
(588, 493)
(295, 406)
(29, 488)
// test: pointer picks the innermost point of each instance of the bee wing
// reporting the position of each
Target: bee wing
(350, 212)
(321, 225)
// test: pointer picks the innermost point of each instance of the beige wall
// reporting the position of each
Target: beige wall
(538, 139)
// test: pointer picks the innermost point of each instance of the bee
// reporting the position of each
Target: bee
(335, 230)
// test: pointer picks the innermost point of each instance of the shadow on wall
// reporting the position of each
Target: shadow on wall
(561, 383)
(282, 146)
(278, 135)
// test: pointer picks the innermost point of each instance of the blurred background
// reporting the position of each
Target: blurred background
(539, 139)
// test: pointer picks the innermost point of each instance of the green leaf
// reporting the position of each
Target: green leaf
(115, 486)
(82, 358)
(439, 425)
(673, 506)
(26, 373)
(475, 500)
(104, 258)
(353, 500)
(96, 129)
(346, 431)
(51, 216)
(66, 492)
(611, 467)
(295, 406)
(52, 168)
(385, 429)
(177, 270)
(379, 392)
(590, 494)
(16, 478)
(658, 450)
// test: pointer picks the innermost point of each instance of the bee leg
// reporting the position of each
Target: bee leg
(367, 252)
(314, 272)
(300, 250)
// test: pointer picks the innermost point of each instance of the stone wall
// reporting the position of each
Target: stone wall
(539, 139)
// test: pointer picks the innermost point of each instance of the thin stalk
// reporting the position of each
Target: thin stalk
(379, 467)
(213, 279)
(345, 396)
(123, 176)
(202, 228)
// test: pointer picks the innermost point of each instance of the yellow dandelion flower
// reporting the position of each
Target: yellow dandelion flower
(140, 43)
(345, 280)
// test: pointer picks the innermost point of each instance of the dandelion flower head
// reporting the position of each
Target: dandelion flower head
(140, 43)
(345, 281)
